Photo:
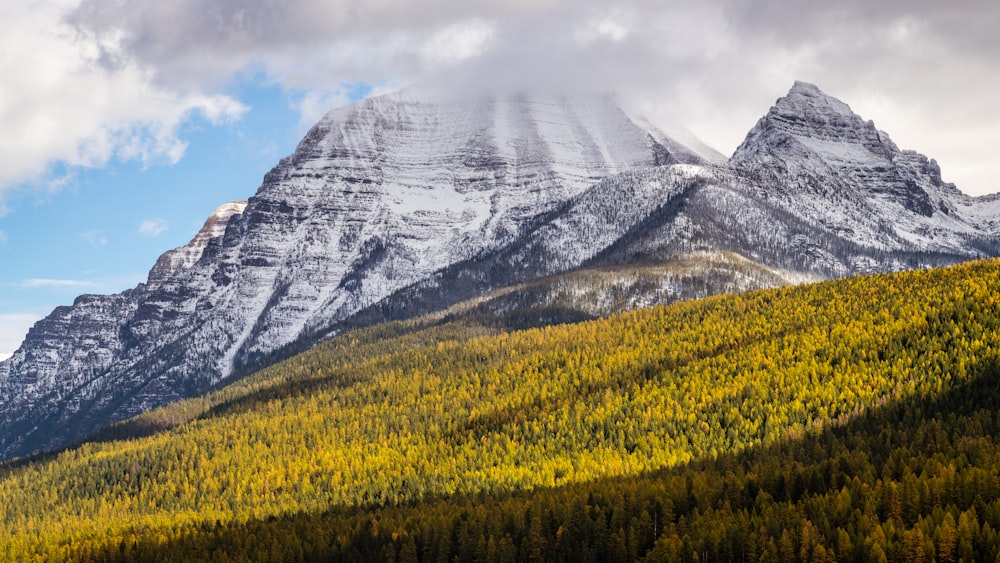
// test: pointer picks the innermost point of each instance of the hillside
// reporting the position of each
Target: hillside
(756, 412)
(408, 204)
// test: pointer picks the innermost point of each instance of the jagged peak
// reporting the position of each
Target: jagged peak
(217, 221)
(801, 85)
(215, 225)
(807, 99)
(808, 89)
(809, 115)
(182, 258)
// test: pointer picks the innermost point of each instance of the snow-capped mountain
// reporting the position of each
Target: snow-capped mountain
(813, 155)
(813, 192)
(377, 196)
(402, 205)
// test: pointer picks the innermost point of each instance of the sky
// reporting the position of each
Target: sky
(125, 123)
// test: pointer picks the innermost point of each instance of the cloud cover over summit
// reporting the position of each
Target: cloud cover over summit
(923, 69)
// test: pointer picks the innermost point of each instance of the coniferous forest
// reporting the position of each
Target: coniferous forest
(851, 420)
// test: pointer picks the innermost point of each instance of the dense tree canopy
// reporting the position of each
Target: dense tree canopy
(849, 420)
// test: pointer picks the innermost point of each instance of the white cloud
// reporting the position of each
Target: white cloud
(153, 227)
(13, 328)
(457, 42)
(80, 98)
(314, 104)
(54, 283)
(95, 238)
(3, 237)
(713, 67)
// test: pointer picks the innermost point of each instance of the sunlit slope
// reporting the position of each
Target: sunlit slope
(397, 414)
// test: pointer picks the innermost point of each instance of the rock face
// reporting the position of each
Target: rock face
(816, 158)
(813, 192)
(377, 196)
(399, 206)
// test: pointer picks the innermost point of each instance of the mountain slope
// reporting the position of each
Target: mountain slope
(814, 190)
(377, 196)
(814, 156)
(377, 419)
(402, 205)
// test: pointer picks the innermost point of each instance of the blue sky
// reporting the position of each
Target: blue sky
(124, 124)
(108, 224)
(103, 229)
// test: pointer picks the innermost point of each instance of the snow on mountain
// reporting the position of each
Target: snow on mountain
(407, 204)
(814, 190)
(384, 193)
(815, 157)
(377, 196)
(172, 263)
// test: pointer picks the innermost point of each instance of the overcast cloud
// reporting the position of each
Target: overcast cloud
(68, 95)
(90, 80)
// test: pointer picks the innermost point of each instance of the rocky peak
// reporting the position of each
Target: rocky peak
(812, 146)
(182, 258)
(823, 124)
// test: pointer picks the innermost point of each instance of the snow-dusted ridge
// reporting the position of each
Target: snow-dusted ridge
(406, 204)
(176, 261)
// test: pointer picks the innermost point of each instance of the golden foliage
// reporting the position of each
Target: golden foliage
(399, 414)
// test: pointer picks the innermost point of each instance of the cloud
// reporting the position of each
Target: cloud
(61, 286)
(314, 104)
(457, 42)
(153, 227)
(95, 238)
(35, 283)
(3, 237)
(13, 328)
(925, 70)
(74, 97)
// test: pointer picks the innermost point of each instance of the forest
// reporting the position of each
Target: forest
(850, 420)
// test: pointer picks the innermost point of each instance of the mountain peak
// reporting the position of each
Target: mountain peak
(824, 147)
(819, 121)
(808, 100)
(803, 88)
(182, 258)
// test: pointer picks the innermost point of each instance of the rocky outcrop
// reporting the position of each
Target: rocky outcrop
(813, 156)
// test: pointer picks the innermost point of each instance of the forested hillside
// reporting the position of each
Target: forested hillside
(850, 420)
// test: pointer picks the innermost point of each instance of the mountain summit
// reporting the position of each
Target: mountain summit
(402, 205)
(822, 123)
(850, 177)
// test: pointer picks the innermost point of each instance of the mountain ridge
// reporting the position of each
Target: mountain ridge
(398, 206)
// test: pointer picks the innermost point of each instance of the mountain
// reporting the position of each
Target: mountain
(813, 192)
(813, 156)
(377, 196)
(405, 205)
